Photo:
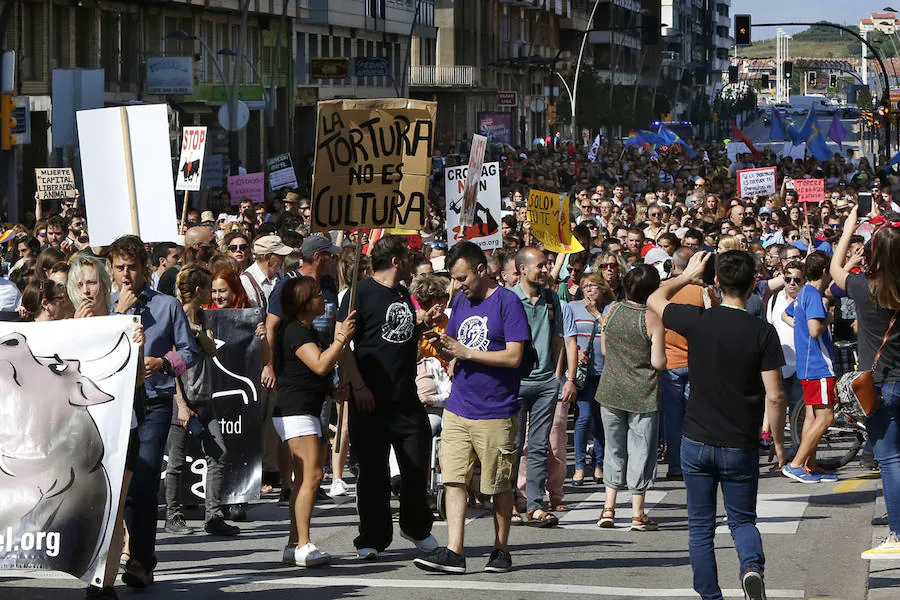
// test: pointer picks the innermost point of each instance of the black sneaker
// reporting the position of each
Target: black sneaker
(499, 562)
(237, 513)
(218, 526)
(284, 498)
(101, 593)
(868, 462)
(178, 526)
(442, 560)
(136, 575)
(880, 521)
(754, 586)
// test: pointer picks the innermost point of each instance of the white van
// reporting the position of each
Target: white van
(800, 104)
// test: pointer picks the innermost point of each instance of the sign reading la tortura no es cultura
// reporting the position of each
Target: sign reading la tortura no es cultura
(373, 161)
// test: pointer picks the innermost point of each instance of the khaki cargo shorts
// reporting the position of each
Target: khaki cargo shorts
(491, 441)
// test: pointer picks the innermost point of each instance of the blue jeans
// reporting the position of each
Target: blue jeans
(588, 423)
(537, 403)
(737, 470)
(140, 502)
(676, 387)
(884, 429)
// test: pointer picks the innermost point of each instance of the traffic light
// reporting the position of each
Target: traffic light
(765, 81)
(742, 30)
(7, 121)
(733, 74)
(832, 80)
(788, 67)
(811, 78)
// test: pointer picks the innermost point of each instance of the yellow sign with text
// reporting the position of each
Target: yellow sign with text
(549, 216)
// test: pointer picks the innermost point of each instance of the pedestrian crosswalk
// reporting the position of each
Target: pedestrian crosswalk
(584, 514)
(776, 513)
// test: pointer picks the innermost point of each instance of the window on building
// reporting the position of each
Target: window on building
(301, 66)
(59, 37)
(84, 25)
(361, 51)
(208, 72)
(347, 53)
(32, 61)
(131, 49)
(110, 59)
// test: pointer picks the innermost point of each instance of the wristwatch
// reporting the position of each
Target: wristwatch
(166, 366)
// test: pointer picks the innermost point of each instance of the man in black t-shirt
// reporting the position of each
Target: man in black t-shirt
(734, 362)
(386, 411)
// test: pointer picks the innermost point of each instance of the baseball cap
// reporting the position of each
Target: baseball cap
(270, 244)
(207, 216)
(656, 255)
(318, 243)
(765, 210)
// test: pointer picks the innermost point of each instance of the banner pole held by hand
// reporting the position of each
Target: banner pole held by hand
(184, 212)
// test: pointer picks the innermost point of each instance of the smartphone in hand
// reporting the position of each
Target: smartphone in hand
(864, 202)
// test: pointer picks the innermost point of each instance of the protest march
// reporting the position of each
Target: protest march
(423, 336)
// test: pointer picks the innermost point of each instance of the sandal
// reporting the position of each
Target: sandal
(542, 520)
(516, 519)
(265, 489)
(607, 519)
(560, 507)
(644, 523)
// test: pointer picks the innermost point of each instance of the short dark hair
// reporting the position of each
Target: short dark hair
(748, 222)
(58, 222)
(637, 230)
(467, 251)
(640, 282)
(161, 251)
(796, 265)
(736, 271)
(816, 265)
(694, 234)
(386, 249)
(129, 246)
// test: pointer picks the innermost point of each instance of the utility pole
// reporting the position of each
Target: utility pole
(234, 148)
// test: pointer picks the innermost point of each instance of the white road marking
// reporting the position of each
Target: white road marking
(776, 513)
(586, 513)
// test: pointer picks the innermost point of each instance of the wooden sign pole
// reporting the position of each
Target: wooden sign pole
(351, 302)
(129, 172)
(184, 210)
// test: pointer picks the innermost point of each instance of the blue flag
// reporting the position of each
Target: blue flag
(654, 139)
(806, 130)
(815, 143)
(781, 128)
(893, 161)
(671, 138)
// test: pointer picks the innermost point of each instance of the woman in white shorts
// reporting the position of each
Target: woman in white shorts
(303, 366)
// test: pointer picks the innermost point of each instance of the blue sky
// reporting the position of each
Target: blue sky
(843, 12)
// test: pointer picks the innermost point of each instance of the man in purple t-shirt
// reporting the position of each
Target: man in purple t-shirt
(485, 337)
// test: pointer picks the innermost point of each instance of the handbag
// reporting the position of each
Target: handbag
(856, 390)
(586, 368)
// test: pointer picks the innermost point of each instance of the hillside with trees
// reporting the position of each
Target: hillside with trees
(825, 42)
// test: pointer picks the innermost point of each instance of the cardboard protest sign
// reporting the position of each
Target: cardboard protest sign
(251, 185)
(485, 229)
(756, 182)
(549, 216)
(126, 164)
(373, 162)
(810, 190)
(55, 184)
(281, 172)
(476, 160)
(190, 164)
(66, 395)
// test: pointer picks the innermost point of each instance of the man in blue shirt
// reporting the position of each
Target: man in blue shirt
(815, 367)
(808, 235)
(169, 350)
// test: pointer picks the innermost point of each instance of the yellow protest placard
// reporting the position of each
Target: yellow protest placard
(549, 216)
(373, 162)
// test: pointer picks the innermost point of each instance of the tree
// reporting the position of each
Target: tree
(864, 98)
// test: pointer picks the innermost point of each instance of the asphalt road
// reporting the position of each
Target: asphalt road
(813, 535)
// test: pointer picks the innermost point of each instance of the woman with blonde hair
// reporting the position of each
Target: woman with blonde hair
(612, 268)
(89, 286)
(729, 242)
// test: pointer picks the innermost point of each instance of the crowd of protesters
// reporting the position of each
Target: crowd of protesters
(493, 349)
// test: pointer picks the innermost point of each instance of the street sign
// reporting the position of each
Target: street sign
(21, 133)
(243, 116)
(329, 68)
(170, 75)
(507, 99)
(371, 66)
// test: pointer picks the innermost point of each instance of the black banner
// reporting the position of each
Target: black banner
(236, 398)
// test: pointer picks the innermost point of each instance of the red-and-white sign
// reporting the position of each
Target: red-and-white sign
(809, 190)
(507, 98)
(190, 165)
(756, 182)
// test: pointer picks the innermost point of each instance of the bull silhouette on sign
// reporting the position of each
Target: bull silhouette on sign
(52, 477)
(190, 169)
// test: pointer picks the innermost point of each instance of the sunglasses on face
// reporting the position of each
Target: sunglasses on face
(764, 217)
(794, 237)
(238, 247)
(793, 279)
(609, 266)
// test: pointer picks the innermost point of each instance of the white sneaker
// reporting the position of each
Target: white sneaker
(889, 549)
(367, 554)
(310, 556)
(426, 545)
(338, 488)
(287, 557)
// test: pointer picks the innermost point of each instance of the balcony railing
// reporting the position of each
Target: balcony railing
(441, 76)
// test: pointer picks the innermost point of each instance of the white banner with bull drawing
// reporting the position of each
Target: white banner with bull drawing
(66, 399)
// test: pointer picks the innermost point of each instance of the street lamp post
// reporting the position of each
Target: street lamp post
(267, 100)
(230, 93)
(573, 94)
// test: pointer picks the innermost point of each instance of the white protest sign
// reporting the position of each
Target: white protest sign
(485, 229)
(54, 184)
(756, 182)
(190, 165)
(281, 172)
(126, 163)
(476, 160)
(797, 152)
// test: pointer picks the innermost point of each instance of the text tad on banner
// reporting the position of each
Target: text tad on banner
(549, 216)
(373, 163)
(809, 190)
(756, 182)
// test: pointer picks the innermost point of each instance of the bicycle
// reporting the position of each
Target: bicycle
(841, 442)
